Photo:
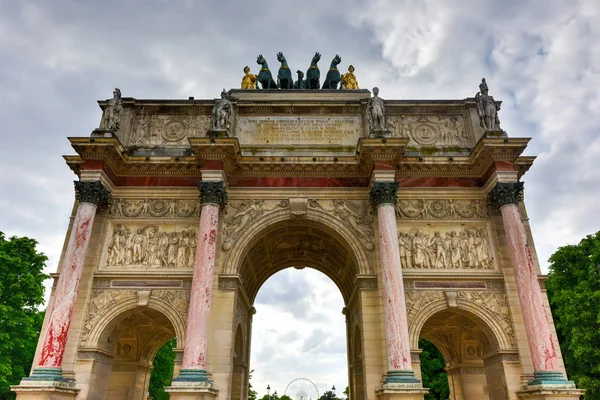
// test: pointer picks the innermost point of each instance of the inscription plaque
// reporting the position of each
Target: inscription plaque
(323, 130)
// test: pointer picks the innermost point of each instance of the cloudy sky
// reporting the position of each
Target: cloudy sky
(542, 58)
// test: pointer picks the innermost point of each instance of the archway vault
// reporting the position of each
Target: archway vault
(299, 244)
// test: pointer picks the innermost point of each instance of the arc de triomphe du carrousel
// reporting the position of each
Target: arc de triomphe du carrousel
(184, 208)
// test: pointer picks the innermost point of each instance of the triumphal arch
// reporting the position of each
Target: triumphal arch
(184, 208)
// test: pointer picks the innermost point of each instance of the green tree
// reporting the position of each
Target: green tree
(574, 292)
(162, 372)
(21, 293)
(251, 392)
(346, 393)
(329, 395)
(433, 372)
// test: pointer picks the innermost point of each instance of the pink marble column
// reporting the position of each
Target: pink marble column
(383, 195)
(506, 196)
(193, 368)
(91, 196)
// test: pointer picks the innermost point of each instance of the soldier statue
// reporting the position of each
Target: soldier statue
(487, 108)
(112, 113)
(221, 113)
(376, 115)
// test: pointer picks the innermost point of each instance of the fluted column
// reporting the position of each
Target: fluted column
(92, 195)
(213, 195)
(506, 197)
(383, 196)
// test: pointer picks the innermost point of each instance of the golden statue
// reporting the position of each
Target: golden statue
(349, 80)
(249, 80)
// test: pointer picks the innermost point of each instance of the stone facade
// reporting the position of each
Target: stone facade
(299, 182)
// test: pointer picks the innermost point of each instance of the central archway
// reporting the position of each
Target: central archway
(318, 242)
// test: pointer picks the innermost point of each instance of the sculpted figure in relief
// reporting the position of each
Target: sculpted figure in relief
(467, 249)
(221, 112)
(112, 112)
(150, 248)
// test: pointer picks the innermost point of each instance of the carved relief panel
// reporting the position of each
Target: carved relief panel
(155, 208)
(445, 247)
(441, 209)
(150, 246)
(166, 130)
(431, 130)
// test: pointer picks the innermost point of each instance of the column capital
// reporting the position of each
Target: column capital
(92, 192)
(213, 192)
(384, 193)
(506, 193)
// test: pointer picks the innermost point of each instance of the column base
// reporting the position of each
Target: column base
(192, 376)
(550, 385)
(53, 388)
(191, 391)
(401, 377)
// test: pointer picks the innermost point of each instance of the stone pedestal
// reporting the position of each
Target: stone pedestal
(405, 391)
(191, 391)
(217, 133)
(45, 390)
(380, 133)
(551, 392)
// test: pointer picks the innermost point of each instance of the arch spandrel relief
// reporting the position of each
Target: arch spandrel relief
(104, 303)
(138, 246)
(445, 247)
(489, 306)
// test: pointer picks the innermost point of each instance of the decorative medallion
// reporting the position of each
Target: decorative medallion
(174, 131)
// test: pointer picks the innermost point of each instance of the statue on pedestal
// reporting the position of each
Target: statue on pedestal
(221, 114)
(112, 113)
(249, 80)
(376, 115)
(349, 80)
(487, 108)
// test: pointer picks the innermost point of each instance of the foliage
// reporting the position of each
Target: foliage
(251, 392)
(433, 372)
(275, 397)
(346, 393)
(21, 293)
(329, 395)
(162, 372)
(574, 293)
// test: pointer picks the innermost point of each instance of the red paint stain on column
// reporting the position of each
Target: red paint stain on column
(539, 337)
(55, 339)
(196, 339)
(394, 304)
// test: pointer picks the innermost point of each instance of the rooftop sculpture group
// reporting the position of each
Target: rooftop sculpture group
(313, 76)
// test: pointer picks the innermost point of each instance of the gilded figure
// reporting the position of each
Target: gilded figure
(349, 79)
(249, 80)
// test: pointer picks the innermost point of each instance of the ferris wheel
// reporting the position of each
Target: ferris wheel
(302, 389)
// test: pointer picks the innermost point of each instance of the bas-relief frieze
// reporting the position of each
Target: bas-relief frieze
(442, 247)
(313, 130)
(430, 130)
(441, 209)
(151, 247)
(155, 208)
(103, 300)
(166, 130)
